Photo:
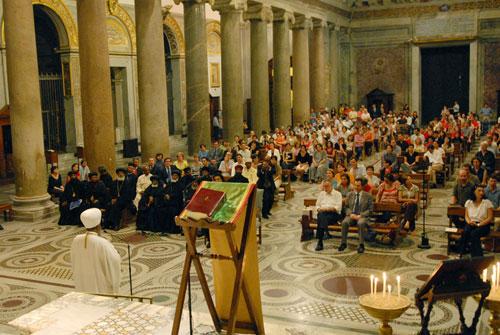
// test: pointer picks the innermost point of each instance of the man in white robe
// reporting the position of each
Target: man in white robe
(143, 183)
(95, 261)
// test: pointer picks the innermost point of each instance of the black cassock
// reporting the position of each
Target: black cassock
(153, 213)
(97, 196)
(123, 192)
(174, 205)
(71, 204)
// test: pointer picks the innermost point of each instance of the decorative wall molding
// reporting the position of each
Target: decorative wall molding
(113, 8)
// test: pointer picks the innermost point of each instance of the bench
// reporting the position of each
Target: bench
(454, 234)
(309, 223)
(286, 184)
(6, 209)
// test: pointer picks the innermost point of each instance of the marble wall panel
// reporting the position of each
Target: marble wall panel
(384, 68)
(491, 73)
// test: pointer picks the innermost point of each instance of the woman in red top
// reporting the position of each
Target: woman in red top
(388, 193)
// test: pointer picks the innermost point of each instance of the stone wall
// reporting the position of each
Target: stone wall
(384, 68)
(491, 73)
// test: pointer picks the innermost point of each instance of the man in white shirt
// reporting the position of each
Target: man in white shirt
(273, 152)
(436, 163)
(143, 182)
(329, 206)
(416, 135)
(95, 261)
(239, 161)
(250, 173)
(357, 170)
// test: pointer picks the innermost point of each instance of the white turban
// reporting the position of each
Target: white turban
(91, 218)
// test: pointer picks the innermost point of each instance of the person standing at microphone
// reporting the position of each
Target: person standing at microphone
(95, 261)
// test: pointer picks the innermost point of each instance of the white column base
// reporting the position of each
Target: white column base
(32, 209)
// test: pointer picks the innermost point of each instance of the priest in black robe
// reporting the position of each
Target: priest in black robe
(238, 175)
(122, 197)
(152, 211)
(174, 198)
(71, 204)
(96, 193)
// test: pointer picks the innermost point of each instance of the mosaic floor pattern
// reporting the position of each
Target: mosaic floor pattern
(303, 291)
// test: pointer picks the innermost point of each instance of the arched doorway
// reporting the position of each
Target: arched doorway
(51, 81)
(170, 92)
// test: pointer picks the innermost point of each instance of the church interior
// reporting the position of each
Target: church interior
(308, 98)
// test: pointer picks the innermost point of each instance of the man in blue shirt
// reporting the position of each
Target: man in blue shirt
(485, 115)
(492, 193)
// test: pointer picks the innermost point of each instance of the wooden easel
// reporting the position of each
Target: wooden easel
(240, 285)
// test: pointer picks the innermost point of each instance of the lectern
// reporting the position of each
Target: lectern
(237, 306)
(454, 280)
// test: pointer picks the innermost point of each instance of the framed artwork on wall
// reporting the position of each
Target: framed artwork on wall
(214, 75)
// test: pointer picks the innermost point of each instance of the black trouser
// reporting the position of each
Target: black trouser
(325, 218)
(376, 144)
(410, 214)
(267, 200)
(368, 148)
(472, 235)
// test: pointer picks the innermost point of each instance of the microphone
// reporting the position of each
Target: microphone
(129, 263)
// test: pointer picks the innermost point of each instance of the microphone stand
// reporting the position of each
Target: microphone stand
(424, 244)
(129, 263)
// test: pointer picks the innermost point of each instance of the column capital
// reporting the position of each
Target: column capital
(258, 12)
(228, 5)
(281, 15)
(318, 23)
(332, 26)
(302, 22)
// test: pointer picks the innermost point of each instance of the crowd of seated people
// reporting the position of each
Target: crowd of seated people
(327, 147)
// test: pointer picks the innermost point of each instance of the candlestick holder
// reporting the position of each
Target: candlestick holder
(492, 303)
(384, 308)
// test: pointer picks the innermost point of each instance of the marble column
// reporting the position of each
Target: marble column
(300, 63)
(232, 75)
(152, 79)
(97, 104)
(333, 99)
(318, 99)
(31, 201)
(281, 65)
(197, 99)
(259, 17)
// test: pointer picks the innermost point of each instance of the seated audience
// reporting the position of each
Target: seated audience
(329, 205)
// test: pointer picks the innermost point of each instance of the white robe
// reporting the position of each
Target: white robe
(96, 266)
(143, 183)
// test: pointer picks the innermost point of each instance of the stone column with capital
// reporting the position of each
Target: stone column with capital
(281, 64)
(318, 98)
(232, 75)
(31, 201)
(300, 62)
(197, 99)
(333, 99)
(152, 79)
(97, 105)
(259, 16)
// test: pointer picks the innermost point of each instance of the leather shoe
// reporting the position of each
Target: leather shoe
(342, 247)
(361, 248)
(319, 246)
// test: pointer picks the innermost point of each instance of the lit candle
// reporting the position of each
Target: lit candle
(485, 275)
(498, 275)
(372, 278)
(398, 279)
(384, 283)
(389, 289)
(493, 278)
(375, 285)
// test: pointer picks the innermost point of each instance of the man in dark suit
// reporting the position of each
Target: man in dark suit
(359, 205)
(238, 176)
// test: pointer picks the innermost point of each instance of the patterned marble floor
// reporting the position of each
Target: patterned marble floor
(303, 291)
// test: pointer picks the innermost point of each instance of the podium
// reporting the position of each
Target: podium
(237, 306)
(454, 280)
